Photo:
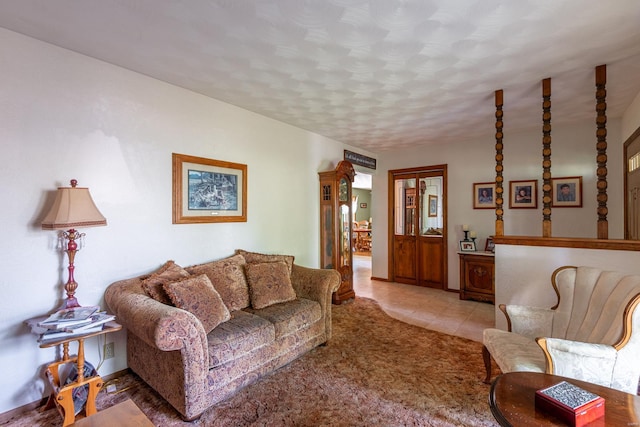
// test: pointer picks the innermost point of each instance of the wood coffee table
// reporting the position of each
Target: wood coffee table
(123, 414)
(512, 401)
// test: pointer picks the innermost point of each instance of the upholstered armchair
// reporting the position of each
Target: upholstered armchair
(591, 334)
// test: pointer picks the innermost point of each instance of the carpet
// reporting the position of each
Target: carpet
(375, 371)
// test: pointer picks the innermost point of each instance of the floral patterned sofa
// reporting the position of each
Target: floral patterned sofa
(198, 334)
(592, 334)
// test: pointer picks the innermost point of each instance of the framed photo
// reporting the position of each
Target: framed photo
(207, 190)
(566, 192)
(523, 194)
(433, 206)
(489, 246)
(467, 246)
(363, 205)
(484, 195)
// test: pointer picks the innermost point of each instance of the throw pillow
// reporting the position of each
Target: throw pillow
(227, 277)
(255, 257)
(269, 283)
(169, 272)
(197, 295)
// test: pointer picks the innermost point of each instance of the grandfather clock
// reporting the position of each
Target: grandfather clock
(335, 227)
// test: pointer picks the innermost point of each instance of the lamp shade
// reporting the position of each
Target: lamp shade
(72, 208)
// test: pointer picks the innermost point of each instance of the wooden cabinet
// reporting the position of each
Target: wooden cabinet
(477, 280)
(336, 221)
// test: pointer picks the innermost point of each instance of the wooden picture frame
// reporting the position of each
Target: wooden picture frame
(566, 192)
(207, 190)
(467, 246)
(433, 206)
(523, 194)
(489, 246)
(484, 195)
(363, 205)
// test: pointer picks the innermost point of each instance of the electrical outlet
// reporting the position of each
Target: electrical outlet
(109, 350)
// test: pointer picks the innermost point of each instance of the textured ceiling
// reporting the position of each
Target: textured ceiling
(377, 74)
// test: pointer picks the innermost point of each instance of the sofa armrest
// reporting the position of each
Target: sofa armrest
(593, 363)
(317, 285)
(159, 325)
(531, 322)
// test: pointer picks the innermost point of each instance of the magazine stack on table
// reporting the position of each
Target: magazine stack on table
(71, 322)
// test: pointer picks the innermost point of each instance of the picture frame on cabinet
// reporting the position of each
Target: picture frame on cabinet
(566, 192)
(489, 246)
(523, 194)
(467, 246)
(484, 195)
(208, 190)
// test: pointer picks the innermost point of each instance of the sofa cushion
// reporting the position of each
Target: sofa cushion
(169, 272)
(269, 283)
(255, 257)
(197, 295)
(290, 317)
(227, 277)
(243, 333)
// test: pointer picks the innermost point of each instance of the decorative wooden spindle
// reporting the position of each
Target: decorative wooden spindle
(499, 168)
(601, 146)
(546, 158)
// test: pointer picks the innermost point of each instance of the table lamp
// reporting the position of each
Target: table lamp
(72, 208)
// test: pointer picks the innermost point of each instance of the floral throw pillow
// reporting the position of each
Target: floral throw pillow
(197, 295)
(269, 283)
(227, 277)
(169, 272)
(255, 257)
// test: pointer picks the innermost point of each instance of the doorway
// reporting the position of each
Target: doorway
(418, 226)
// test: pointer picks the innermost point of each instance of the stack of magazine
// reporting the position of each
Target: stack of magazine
(70, 322)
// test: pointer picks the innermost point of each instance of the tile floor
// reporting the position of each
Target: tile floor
(429, 308)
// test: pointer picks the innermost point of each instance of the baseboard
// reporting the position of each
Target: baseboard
(379, 279)
(12, 413)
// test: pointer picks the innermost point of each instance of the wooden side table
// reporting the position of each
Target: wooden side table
(62, 394)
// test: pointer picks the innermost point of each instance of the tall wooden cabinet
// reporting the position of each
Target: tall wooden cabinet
(336, 219)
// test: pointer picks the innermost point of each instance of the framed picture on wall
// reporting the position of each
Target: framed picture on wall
(207, 190)
(363, 205)
(433, 205)
(566, 192)
(523, 194)
(484, 195)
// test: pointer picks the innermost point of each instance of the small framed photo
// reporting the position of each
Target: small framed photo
(489, 246)
(523, 194)
(566, 192)
(467, 246)
(363, 205)
(484, 195)
(433, 205)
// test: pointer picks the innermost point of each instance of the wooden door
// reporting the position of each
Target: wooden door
(418, 235)
(632, 184)
(404, 241)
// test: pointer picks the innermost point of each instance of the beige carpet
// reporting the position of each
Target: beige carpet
(376, 371)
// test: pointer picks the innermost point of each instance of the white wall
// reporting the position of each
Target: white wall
(573, 154)
(66, 116)
(631, 118)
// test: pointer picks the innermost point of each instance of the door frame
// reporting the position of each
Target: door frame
(391, 177)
